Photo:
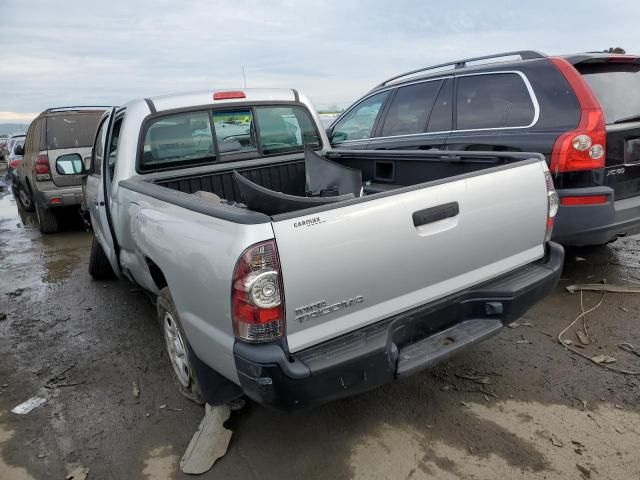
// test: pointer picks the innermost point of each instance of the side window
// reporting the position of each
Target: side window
(410, 109)
(178, 140)
(98, 150)
(358, 123)
(235, 131)
(35, 131)
(493, 101)
(112, 148)
(442, 113)
(285, 129)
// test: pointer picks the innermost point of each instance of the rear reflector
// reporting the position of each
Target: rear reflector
(55, 201)
(584, 200)
(228, 95)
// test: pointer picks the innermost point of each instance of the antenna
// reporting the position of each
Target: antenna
(245, 77)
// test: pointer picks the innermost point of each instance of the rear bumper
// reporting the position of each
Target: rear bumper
(395, 347)
(595, 224)
(51, 196)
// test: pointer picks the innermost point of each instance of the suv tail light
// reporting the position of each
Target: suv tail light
(552, 204)
(257, 302)
(14, 164)
(582, 148)
(43, 172)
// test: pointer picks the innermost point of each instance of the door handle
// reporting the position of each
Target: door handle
(434, 214)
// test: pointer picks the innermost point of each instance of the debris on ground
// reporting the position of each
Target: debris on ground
(627, 347)
(474, 378)
(580, 259)
(603, 359)
(27, 406)
(163, 406)
(522, 340)
(586, 472)
(79, 473)
(209, 443)
(56, 380)
(583, 337)
(552, 437)
(513, 325)
(16, 293)
(599, 287)
(623, 309)
(3, 316)
(136, 389)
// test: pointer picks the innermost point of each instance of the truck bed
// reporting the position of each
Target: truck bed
(381, 171)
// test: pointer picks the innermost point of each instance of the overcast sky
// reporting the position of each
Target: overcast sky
(103, 52)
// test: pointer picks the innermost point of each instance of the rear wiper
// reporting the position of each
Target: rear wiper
(631, 118)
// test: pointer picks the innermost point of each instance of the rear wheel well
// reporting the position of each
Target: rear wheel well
(156, 274)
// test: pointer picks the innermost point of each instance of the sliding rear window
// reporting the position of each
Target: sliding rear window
(285, 129)
(180, 140)
(73, 130)
(617, 87)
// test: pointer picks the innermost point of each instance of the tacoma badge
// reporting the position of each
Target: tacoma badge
(319, 309)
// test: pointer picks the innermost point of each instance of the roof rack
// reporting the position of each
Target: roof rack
(523, 54)
(76, 107)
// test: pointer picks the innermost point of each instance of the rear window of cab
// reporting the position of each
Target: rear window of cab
(193, 138)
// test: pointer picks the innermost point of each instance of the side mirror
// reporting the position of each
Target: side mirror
(19, 150)
(338, 137)
(70, 164)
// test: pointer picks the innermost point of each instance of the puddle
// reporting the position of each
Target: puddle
(8, 471)
(30, 259)
(603, 442)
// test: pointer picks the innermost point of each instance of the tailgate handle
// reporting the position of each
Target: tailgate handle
(434, 214)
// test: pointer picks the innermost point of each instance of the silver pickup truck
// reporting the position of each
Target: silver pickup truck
(297, 275)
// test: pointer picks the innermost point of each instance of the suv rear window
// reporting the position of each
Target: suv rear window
(617, 87)
(72, 130)
(493, 101)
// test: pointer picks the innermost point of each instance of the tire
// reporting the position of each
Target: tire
(99, 266)
(47, 218)
(23, 197)
(178, 349)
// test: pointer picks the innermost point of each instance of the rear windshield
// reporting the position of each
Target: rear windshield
(203, 136)
(617, 87)
(72, 130)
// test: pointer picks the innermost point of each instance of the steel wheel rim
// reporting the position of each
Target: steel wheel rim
(24, 198)
(177, 350)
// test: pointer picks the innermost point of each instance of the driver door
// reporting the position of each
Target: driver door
(94, 186)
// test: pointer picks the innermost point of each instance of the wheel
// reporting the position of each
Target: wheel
(99, 266)
(47, 218)
(180, 354)
(23, 197)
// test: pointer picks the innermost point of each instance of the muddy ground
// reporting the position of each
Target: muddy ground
(544, 413)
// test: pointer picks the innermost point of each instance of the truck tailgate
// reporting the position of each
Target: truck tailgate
(359, 263)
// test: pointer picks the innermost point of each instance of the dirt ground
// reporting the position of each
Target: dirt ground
(539, 411)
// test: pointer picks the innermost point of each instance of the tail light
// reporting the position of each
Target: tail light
(14, 164)
(43, 172)
(582, 148)
(257, 302)
(552, 204)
